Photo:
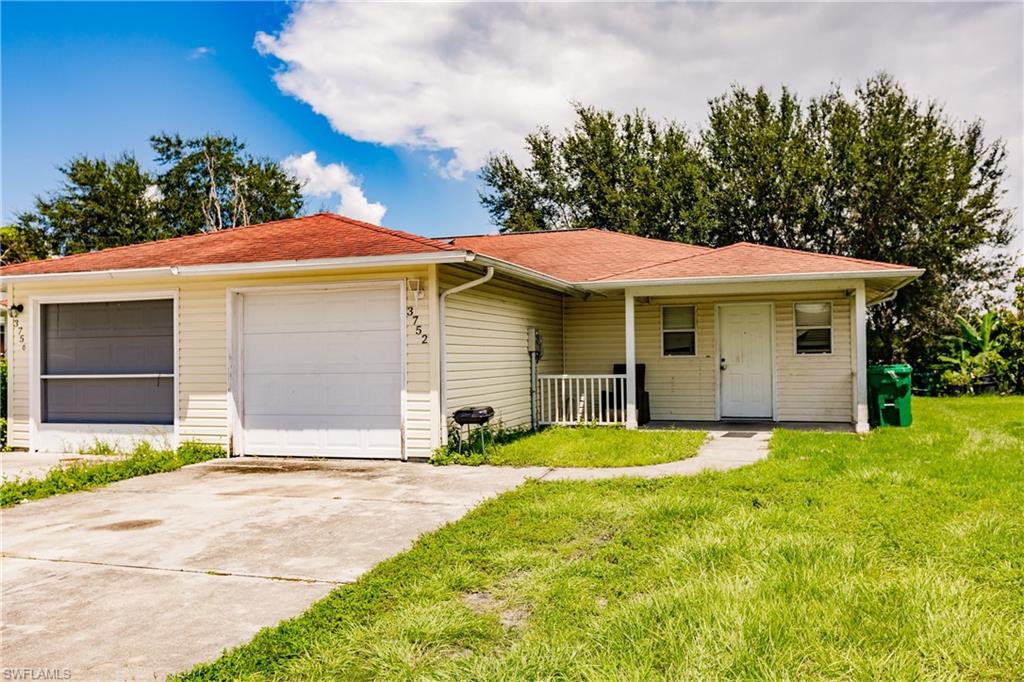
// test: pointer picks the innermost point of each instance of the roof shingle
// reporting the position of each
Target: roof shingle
(573, 256)
(323, 235)
(744, 259)
(578, 255)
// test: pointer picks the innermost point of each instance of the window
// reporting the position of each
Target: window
(107, 363)
(679, 330)
(813, 328)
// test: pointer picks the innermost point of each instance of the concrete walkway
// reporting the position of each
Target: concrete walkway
(723, 450)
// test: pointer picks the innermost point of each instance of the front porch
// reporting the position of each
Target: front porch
(712, 358)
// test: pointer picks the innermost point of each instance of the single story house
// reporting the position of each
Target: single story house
(325, 336)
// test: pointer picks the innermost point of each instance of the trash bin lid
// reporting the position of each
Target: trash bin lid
(885, 369)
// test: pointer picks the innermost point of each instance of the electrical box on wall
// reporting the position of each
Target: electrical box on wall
(534, 342)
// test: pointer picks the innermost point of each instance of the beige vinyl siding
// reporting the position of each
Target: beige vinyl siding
(814, 387)
(485, 339)
(203, 348)
(680, 387)
(808, 387)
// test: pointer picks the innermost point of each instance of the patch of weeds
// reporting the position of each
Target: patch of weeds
(465, 445)
(144, 460)
(100, 448)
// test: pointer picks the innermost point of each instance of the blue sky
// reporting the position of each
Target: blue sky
(401, 103)
(100, 78)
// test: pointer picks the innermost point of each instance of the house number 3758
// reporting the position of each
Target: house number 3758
(414, 319)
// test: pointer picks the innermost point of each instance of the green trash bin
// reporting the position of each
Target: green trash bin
(889, 390)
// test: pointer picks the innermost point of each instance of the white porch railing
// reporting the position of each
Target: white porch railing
(581, 399)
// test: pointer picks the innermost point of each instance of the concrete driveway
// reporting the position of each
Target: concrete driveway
(152, 575)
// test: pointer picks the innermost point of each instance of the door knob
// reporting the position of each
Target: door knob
(721, 363)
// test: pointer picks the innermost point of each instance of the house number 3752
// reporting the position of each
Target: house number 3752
(414, 319)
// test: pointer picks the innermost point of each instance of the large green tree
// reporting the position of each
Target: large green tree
(100, 203)
(876, 174)
(18, 244)
(199, 185)
(871, 174)
(211, 183)
(630, 174)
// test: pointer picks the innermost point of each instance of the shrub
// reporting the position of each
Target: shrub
(976, 354)
(472, 453)
(3, 403)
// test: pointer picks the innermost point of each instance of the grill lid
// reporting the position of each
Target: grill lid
(473, 415)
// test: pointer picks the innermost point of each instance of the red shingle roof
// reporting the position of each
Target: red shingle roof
(745, 259)
(324, 235)
(591, 256)
(578, 255)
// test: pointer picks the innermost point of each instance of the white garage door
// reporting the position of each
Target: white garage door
(322, 373)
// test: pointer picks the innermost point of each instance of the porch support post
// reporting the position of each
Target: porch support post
(631, 421)
(860, 373)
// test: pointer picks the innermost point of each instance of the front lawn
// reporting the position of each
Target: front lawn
(580, 447)
(89, 474)
(897, 555)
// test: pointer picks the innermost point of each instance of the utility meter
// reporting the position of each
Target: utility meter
(534, 342)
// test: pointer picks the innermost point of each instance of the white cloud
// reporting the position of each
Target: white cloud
(330, 180)
(202, 51)
(461, 80)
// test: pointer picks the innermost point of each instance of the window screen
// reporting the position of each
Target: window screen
(108, 363)
(813, 328)
(679, 330)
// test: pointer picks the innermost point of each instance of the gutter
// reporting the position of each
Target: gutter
(246, 268)
(441, 342)
(910, 274)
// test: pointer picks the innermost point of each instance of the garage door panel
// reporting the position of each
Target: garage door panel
(322, 311)
(322, 373)
(283, 439)
(301, 351)
(290, 394)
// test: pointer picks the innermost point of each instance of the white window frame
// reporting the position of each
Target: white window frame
(66, 437)
(797, 328)
(661, 324)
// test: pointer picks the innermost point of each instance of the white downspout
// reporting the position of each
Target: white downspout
(441, 336)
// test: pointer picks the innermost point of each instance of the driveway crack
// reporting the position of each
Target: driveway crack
(161, 569)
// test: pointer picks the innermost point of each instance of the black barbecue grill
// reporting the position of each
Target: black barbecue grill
(468, 416)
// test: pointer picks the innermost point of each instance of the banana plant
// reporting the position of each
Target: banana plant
(975, 353)
(980, 338)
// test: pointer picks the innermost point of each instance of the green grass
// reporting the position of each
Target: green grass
(90, 474)
(581, 447)
(897, 555)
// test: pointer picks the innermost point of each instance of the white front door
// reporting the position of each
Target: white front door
(322, 372)
(745, 347)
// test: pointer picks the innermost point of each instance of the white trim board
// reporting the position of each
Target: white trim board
(259, 267)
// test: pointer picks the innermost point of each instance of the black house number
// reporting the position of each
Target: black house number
(417, 327)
